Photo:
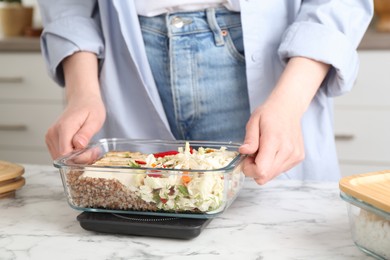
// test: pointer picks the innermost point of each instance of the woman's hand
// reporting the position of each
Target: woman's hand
(274, 140)
(82, 118)
(85, 112)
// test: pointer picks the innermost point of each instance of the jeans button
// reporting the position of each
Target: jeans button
(177, 22)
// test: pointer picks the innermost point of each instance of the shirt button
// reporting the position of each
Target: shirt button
(177, 22)
(255, 57)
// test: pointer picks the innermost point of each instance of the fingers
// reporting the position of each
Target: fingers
(261, 167)
(272, 159)
(251, 141)
(88, 156)
(274, 144)
(51, 143)
(58, 137)
(75, 128)
(83, 136)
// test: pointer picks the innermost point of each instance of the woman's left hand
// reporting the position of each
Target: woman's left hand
(273, 139)
(273, 142)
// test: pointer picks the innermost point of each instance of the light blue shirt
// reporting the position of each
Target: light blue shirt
(325, 30)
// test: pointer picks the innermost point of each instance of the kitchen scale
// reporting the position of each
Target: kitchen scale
(143, 225)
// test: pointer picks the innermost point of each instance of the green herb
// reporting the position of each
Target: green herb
(134, 164)
(183, 190)
(156, 195)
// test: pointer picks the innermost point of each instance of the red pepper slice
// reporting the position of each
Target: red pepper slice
(163, 201)
(155, 175)
(163, 154)
(140, 162)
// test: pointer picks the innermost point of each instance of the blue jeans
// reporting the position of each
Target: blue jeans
(197, 60)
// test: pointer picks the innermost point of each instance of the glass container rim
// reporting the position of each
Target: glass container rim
(365, 205)
(61, 162)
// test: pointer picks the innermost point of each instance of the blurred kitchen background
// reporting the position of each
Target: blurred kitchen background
(30, 102)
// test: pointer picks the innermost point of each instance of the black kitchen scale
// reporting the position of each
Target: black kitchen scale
(143, 225)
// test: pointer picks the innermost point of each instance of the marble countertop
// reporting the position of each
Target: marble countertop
(281, 220)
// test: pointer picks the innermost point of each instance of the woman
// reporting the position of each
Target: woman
(260, 72)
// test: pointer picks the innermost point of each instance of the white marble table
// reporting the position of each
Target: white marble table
(281, 220)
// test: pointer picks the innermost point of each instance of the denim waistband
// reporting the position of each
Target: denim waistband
(181, 23)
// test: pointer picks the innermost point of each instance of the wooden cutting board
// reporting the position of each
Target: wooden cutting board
(10, 179)
(372, 188)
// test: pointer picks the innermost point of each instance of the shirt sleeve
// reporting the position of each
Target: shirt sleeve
(69, 26)
(329, 31)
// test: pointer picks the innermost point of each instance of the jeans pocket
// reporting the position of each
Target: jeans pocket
(234, 42)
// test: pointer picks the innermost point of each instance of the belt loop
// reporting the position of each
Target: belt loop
(212, 21)
(167, 22)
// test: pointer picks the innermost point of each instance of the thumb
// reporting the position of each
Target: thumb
(80, 140)
(84, 135)
(252, 136)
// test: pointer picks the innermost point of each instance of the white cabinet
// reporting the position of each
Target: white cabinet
(29, 103)
(362, 117)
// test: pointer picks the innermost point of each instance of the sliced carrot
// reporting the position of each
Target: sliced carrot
(185, 179)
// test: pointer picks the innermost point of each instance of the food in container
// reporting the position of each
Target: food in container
(153, 177)
(368, 203)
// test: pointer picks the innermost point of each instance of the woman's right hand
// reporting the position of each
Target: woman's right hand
(80, 121)
(85, 112)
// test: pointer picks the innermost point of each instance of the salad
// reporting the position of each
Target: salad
(188, 186)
